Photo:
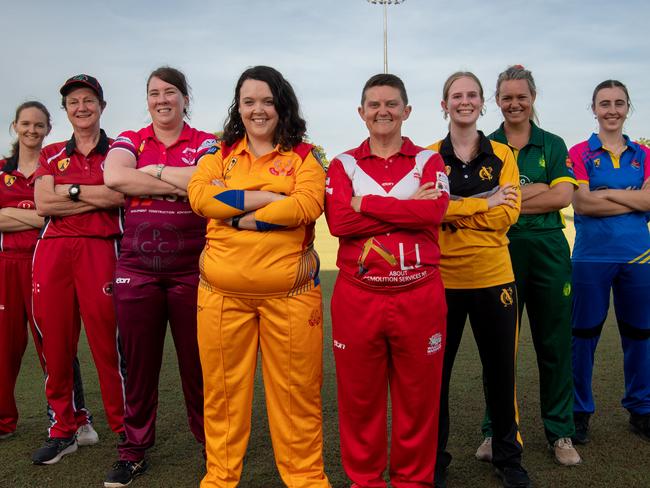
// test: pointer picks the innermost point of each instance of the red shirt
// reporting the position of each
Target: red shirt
(162, 233)
(68, 166)
(393, 241)
(17, 191)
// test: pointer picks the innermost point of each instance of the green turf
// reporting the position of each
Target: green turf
(615, 457)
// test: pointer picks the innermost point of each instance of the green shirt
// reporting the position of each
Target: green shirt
(542, 160)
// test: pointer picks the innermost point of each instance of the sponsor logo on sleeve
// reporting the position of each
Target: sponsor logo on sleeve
(208, 143)
(435, 344)
(442, 181)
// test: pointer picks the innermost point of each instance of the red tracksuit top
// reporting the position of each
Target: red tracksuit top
(393, 241)
(68, 166)
(17, 191)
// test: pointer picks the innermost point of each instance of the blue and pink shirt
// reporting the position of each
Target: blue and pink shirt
(620, 238)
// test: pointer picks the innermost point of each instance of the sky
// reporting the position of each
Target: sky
(327, 49)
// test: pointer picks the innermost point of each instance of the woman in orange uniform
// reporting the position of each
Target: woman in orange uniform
(259, 286)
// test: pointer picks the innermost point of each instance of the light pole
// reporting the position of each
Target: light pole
(385, 3)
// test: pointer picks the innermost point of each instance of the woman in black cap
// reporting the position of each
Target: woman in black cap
(74, 263)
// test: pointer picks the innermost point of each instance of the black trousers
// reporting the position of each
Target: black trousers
(494, 320)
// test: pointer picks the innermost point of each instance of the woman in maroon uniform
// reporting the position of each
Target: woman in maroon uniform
(158, 270)
(19, 228)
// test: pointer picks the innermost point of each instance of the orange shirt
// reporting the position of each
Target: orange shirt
(277, 259)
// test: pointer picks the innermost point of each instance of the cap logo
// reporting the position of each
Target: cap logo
(80, 78)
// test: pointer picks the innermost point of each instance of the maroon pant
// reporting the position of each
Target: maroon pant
(388, 338)
(144, 303)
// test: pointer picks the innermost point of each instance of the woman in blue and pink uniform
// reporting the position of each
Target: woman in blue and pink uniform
(611, 253)
(158, 270)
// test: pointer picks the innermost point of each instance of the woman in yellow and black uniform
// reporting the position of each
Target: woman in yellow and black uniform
(476, 269)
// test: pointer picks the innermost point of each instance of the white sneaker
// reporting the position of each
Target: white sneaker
(565, 453)
(484, 451)
(87, 436)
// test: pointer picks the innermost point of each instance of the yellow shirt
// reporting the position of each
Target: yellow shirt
(473, 244)
(278, 259)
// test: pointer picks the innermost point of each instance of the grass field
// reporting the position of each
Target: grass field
(614, 458)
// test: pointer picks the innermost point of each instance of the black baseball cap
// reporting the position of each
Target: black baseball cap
(82, 81)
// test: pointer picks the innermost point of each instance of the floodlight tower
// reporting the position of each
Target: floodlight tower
(385, 3)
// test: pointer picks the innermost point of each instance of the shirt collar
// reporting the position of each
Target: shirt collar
(484, 146)
(536, 135)
(595, 143)
(407, 149)
(241, 146)
(101, 147)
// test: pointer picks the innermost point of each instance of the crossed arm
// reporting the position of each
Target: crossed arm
(54, 200)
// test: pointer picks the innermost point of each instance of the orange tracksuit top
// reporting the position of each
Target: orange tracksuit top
(278, 259)
(473, 239)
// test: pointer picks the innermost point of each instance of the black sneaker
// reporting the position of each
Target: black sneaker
(440, 477)
(581, 421)
(124, 472)
(513, 477)
(54, 449)
(640, 425)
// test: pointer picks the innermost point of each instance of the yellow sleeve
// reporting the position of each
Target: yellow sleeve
(501, 216)
(209, 200)
(305, 203)
(465, 207)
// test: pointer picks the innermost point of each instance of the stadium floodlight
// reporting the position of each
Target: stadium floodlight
(385, 3)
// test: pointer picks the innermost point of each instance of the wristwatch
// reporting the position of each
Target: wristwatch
(73, 192)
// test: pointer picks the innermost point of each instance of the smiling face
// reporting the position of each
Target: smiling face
(83, 108)
(464, 102)
(31, 127)
(515, 101)
(166, 103)
(384, 111)
(257, 110)
(611, 107)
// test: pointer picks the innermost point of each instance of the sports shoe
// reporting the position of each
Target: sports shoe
(640, 425)
(54, 449)
(87, 436)
(581, 421)
(122, 473)
(484, 451)
(565, 453)
(513, 477)
(440, 477)
(7, 435)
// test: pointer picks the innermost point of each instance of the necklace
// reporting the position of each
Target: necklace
(471, 154)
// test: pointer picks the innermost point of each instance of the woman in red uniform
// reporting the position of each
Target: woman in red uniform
(19, 229)
(74, 264)
(158, 270)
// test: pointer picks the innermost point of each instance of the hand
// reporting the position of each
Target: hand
(428, 191)
(150, 169)
(646, 185)
(505, 195)
(216, 182)
(62, 190)
(355, 203)
(179, 192)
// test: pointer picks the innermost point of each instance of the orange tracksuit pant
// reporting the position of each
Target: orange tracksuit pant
(289, 333)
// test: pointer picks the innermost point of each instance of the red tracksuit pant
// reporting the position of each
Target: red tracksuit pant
(144, 303)
(385, 339)
(15, 313)
(73, 280)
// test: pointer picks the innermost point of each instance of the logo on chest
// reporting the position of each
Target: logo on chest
(62, 164)
(282, 168)
(485, 173)
(10, 180)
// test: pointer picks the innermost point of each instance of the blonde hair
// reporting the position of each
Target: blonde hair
(518, 72)
(457, 76)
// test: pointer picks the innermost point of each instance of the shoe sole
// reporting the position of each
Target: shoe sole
(68, 450)
(7, 435)
(483, 459)
(116, 484)
(639, 433)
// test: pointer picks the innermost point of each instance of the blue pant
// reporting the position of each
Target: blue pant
(630, 283)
